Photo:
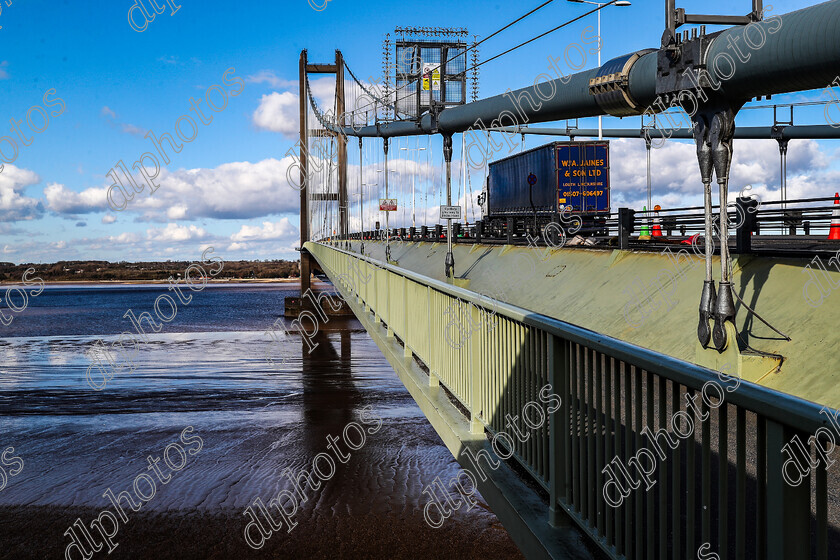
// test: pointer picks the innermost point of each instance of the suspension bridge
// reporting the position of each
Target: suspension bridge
(619, 312)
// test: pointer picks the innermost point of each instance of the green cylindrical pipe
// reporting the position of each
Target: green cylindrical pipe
(802, 54)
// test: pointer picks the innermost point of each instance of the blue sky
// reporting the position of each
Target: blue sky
(226, 188)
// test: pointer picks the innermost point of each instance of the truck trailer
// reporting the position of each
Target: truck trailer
(528, 190)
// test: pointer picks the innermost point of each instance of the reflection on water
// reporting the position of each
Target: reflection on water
(256, 420)
(217, 382)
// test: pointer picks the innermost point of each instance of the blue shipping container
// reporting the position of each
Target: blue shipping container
(551, 177)
(510, 192)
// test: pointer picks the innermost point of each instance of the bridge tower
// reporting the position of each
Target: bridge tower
(306, 195)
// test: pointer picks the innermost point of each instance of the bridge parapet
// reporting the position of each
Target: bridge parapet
(647, 453)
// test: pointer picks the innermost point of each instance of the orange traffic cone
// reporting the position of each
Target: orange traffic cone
(834, 233)
(657, 224)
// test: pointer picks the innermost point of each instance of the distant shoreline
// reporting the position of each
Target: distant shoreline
(105, 273)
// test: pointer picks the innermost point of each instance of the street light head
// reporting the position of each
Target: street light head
(623, 3)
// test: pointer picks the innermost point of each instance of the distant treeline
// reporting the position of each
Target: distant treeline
(104, 270)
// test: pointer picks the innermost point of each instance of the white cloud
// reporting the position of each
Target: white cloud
(675, 174)
(131, 246)
(14, 205)
(236, 190)
(62, 200)
(269, 230)
(133, 130)
(109, 219)
(177, 212)
(3, 74)
(323, 90)
(111, 117)
(174, 232)
(278, 112)
(124, 238)
(270, 78)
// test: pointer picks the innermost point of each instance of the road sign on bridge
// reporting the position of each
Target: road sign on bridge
(450, 212)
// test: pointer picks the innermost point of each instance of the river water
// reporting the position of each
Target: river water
(205, 375)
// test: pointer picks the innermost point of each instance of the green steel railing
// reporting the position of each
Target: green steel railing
(705, 490)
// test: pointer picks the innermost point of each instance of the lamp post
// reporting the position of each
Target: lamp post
(449, 264)
(601, 44)
(413, 224)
